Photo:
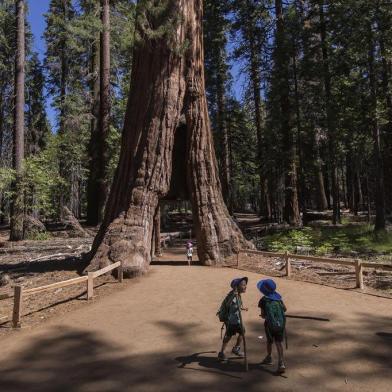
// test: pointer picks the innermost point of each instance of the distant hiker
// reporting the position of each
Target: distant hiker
(189, 251)
(272, 309)
(230, 314)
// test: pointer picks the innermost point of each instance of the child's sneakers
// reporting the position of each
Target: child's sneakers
(281, 367)
(237, 351)
(267, 361)
(222, 356)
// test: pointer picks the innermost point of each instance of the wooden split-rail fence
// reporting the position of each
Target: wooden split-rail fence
(20, 292)
(357, 264)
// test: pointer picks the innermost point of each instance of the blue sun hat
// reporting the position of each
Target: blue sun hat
(268, 287)
(235, 282)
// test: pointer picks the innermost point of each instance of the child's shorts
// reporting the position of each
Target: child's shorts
(232, 329)
(271, 337)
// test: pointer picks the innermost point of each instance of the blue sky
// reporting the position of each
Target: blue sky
(37, 8)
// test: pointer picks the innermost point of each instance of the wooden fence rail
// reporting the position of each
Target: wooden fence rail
(359, 265)
(20, 292)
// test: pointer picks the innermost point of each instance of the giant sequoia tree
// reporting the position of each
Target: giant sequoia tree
(167, 89)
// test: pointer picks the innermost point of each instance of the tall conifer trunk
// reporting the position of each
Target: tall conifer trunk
(17, 205)
(92, 186)
(167, 81)
(104, 111)
(386, 85)
(223, 132)
(330, 118)
(377, 152)
(291, 207)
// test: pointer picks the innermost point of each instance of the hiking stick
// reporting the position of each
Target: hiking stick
(285, 337)
(245, 354)
(243, 334)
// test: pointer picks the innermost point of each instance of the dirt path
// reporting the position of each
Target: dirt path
(161, 334)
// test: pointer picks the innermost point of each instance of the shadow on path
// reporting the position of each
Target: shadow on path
(71, 359)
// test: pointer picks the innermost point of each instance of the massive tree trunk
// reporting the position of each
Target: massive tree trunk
(291, 207)
(157, 232)
(167, 81)
(17, 205)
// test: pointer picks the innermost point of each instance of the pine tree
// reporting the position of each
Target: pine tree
(17, 206)
(251, 20)
(36, 121)
(67, 65)
(281, 64)
(216, 27)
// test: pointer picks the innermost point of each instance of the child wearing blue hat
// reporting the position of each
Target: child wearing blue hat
(229, 314)
(272, 309)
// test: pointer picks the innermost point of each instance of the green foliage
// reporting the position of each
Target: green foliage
(122, 43)
(42, 181)
(39, 236)
(7, 176)
(330, 240)
(289, 240)
(114, 142)
(157, 20)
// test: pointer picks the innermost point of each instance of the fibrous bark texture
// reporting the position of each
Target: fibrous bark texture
(167, 81)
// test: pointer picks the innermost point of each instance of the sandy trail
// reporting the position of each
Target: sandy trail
(160, 333)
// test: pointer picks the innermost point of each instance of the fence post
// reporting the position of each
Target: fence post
(359, 274)
(238, 259)
(90, 285)
(120, 273)
(18, 292)
(288, 264)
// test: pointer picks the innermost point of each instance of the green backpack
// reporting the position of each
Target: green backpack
(223, 312)
(274, 315)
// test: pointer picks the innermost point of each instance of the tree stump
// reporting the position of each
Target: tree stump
(72, 225)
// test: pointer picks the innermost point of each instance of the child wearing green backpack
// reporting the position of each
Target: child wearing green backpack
(230, 314)
(272, 309)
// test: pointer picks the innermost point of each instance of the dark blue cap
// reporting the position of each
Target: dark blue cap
(268, 287)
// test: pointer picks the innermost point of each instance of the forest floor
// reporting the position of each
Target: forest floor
(339, 276)
(37, 263)
(160, 333)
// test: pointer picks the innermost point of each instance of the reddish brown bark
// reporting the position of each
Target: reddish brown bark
(16, 232)
(167, 80)
(157, 232)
